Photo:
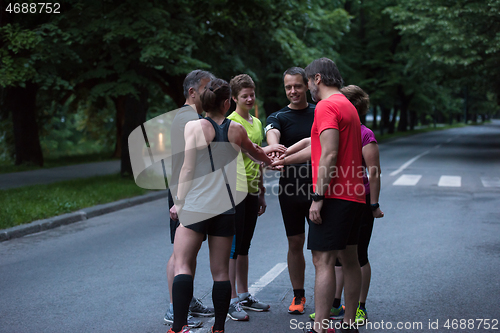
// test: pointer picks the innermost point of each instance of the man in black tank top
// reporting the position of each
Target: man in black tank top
(194, 85)
(288, 126)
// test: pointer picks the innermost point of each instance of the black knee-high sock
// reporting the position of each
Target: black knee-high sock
(221, 296)
(182, 293)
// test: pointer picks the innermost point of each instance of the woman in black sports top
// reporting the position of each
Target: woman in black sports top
(204, 203)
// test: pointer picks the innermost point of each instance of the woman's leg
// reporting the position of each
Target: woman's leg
(220, 249)
(186, 246)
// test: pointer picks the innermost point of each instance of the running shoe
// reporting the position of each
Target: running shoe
(297, 306)
(235, 312)
(169, 320)
(252, 303)
(361, 316)
(197, 309)
(212, 330)
(184, 329)
(335, 313)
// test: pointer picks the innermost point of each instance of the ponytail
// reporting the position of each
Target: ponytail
(216, 92)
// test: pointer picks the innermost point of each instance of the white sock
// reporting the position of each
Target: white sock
(243, 295)
(234, 300)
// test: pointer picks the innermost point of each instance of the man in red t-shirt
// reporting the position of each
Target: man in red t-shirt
(339, 191)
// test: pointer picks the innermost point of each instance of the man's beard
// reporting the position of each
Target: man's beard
(314, 93)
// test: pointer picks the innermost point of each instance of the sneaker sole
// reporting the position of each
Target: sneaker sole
(331, 317)
(236, 319)
(171, 322)
(339, 317)
(296, 312)
(254, 309)
(199, 314)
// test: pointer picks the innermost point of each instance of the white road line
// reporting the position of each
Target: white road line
(407, 180)
(253, 289)
(404, 166)
(450, 181)
(267, 278)
(490, 181)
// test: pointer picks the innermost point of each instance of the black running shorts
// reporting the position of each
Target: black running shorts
(340, 227)
(294, 198)
(220, 225)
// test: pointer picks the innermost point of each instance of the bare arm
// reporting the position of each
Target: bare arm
(273, 137)
(194, 138)
(296, 147)
(299, 157)
(262, 191)
(329, 140)
(238, 135)
(372, 160)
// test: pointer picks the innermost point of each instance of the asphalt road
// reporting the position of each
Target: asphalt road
(435, 255)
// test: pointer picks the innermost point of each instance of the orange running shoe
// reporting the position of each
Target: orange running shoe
(185, 329)
(297, 306)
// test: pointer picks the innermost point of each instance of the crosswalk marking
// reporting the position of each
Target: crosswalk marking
(490, 181)
(450, 181)
(407, 180)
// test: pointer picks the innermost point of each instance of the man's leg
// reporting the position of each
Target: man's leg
(352, 281)
(366, 274)
(324, 286)
(296, 260)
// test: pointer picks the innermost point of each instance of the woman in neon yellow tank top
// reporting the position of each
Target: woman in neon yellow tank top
(253, 205)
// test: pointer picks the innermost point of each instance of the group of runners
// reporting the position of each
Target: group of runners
(323, 153)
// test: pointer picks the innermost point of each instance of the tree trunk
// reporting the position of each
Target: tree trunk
(385, 119)
(22, 103)
(405, 106)
(474, 118)
(392, 124)
(134, 111)
(403, 120)
(120, 113)
(413, 120)
(374, 124)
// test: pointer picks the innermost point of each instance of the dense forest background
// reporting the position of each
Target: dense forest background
(82, 79)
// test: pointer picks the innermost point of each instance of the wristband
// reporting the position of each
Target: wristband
(316, 197)
(374, 206)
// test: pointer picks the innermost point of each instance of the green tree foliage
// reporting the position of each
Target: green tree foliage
(462, 38)
(102, 60)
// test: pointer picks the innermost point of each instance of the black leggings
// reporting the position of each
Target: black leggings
(246, 219)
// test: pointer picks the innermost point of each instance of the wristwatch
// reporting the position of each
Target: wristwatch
(375, 206)
(316, 197)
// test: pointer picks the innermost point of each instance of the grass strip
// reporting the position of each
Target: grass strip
(387, 136)
(52, 162)
(30, 203)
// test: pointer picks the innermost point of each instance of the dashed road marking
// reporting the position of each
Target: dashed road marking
(267, 278)
(490, 181)
(407, 180)
(450, 181)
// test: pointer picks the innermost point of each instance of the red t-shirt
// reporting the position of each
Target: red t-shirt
(347, 177)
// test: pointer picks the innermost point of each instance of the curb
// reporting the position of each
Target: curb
(81, 215)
